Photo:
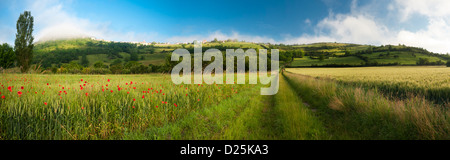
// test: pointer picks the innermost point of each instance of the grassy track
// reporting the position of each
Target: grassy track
(297, 121)
(282, 116)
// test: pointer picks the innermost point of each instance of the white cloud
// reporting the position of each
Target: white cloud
(429, 8)
(53, 21)
(363, 27)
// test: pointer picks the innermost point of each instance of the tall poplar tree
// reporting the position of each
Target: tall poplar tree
(24, 41)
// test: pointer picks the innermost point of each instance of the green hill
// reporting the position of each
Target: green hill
(342, 54)
(60, 52)
(56, 53)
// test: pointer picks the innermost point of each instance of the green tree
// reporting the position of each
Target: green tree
(152, 50)
(115, 62)
(7, 56)
(423, 61)
(24, 41)
(99, 64)
(134, 57)
(321, 57)
(448, 63)
(84, 61)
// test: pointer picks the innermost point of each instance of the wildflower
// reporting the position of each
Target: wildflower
(21, 87)
(175, 105)
(134, 99)
(45, 103)
(111, 91)
(3, 97)
(19, 93)
(47, 84)
(108, 80)
(143, 96)
(82, 107)
(81, 79)
(86, 94)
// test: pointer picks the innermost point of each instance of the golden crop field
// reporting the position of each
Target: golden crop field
(431, 82)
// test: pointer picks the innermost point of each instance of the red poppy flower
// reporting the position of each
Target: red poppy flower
(108, 80)
(86, 94)
(156, 106)
(81, 79)
(47, 84)
(134, 99)
(111, 91)
(143, 97)
(45, 103)
(21, 87)
(19, 93)
(3, 97)
(175, 105)
(82, 107)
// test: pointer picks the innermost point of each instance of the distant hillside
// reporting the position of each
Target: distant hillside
(59, 52)
(347, 55)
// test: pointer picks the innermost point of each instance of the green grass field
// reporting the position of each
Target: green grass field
(149, 106)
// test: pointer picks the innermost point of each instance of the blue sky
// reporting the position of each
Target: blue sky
(422, 23)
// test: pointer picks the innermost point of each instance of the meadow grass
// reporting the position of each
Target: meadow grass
(358, 113)
(98, 106)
